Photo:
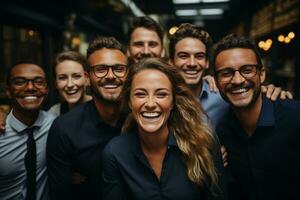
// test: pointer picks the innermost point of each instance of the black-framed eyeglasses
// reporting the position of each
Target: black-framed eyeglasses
(247, 71)
(21, 82)
(101, 70)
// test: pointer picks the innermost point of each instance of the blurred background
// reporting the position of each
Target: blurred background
(41, 29)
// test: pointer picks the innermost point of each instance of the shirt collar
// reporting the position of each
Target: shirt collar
(137, 148)
(96, 119)
(205, 90)
(266, 117)
(19, 127)
(93, 114)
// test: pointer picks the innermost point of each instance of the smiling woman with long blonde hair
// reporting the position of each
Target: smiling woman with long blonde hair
(168, 151)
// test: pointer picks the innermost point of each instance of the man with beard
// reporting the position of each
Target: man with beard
(77, 138)
(145, 39)
(261, 137)
(23, 144)
(189, 50)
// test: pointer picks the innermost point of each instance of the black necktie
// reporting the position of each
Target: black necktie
(30, 165)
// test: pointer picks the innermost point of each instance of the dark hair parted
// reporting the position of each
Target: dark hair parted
(102, 42)
(193, 136)
(73, 56)
(234, 41)
(147, 23)
(189, 30)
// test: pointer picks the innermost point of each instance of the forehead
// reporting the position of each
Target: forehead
(235, 57)
(190, 45)
(108, 57)
(68, 66)
(145, 35)
(151, 78)
(27, 71)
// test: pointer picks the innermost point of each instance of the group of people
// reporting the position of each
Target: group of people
(152, 128)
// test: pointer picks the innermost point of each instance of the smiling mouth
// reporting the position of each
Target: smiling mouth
(190, 71)
(30, 98)
(111, 86)
(151, 115)
(240, 91)
(71, 92)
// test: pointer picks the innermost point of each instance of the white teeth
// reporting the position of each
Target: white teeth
(30, 98)
(71, 92)
(239, 91)
(110, 86)
(191, 72)
(150, 114)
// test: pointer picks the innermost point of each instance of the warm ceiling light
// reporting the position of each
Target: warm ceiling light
(261, 44)
(269, 42)
(280, 38)
(211, 11)
(186, 12)
(291, 35)
(214, 1)
(287, 40)
(185, 1)
(173, 30)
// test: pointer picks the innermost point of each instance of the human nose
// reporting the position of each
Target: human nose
(151, 102)
(191, 61)
(70, 82)
(237, 77)
(110, 74)
(30, 84)
(146, 49)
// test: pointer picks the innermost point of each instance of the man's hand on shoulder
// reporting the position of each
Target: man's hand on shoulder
(211, 83)
(272, 92)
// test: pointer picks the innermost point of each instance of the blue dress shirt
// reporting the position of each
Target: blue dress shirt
(213, 104)
(12, 154)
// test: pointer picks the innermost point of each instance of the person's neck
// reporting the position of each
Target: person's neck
(26, 117)
(249, 116)
(196, 89)
(84, 99)
(109, 111)
(154, 143)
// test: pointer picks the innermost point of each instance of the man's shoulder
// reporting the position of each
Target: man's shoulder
(288, 109)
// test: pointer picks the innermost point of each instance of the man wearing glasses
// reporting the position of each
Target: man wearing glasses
(23, 144)
(76, 139)
(261, 137)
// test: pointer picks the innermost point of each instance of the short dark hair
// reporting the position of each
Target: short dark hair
(19, 62)
(189, 30)
(101, 42)
(147, 23)
(73, 56)
(234, 41)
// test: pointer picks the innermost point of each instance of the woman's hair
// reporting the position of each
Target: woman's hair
(73, 56)
(186, 122)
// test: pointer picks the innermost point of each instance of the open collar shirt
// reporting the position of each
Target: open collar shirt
(127, 173)
(265, 165)
(75, 144)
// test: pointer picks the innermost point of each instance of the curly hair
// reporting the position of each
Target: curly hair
(187, 122)
(189, 30)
